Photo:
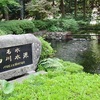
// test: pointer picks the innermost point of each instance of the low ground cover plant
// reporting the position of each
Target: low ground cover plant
(57, 85)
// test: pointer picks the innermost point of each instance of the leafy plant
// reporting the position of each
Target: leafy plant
(71, 67)
(6, 87)
(55, 64)
(2, 32)
(55, 29)
(17, 26)
(62, 25)
(40, 24)
(40, 9)
(47, 50)
(4, 4)
(58, 86)
(50, 64)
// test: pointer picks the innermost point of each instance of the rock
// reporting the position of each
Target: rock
(27, 54)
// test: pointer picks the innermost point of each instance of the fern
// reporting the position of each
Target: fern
(50, 64)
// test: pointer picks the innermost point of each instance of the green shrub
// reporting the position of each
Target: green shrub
(93, 27)
(55, 64)
(55, 29)
(57, 25)
(62, 25)
(17, 26)
(54, 25)
(87, 26)
(41, 25)
(71, 67)
(70, 25)
(47, 50)
(50, 64)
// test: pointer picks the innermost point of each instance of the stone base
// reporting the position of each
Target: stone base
(16, 72)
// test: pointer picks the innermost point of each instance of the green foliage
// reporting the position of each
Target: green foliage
(71, 67)
(47, 50)
(57, 25)
(5, 7)
(6, 87)
(61, 86)
(50, 64)
(2, 32)
(40, 24)
(17, 26)
(62, 25)
(55, 64)
(4, 3)
(40, 9)
(55, 29)
(93, 27)
(82, 24)
(70, 25)
(87, 26)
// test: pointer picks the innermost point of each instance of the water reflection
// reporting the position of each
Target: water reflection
(84, 52)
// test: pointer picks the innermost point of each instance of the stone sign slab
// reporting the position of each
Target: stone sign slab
(15, 57)
(19, 54)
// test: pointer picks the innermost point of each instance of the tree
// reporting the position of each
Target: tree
(22, 3)
(5, 6)
(62, 8)
(75, 8)
(40, 9)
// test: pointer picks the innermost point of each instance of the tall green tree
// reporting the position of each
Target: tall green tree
(4, 4)
(40, 9)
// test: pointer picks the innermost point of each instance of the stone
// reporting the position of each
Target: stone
(19, 54)
(59, 35)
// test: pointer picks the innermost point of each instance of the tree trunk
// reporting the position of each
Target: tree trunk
(84, 8)
(62, 8)
(53, 2)
(22, 9)
(6, 13)
(75, 8)
(70, 6)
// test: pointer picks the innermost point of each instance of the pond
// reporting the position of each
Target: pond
(81, 51)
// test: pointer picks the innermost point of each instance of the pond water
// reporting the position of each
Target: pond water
(83, 52)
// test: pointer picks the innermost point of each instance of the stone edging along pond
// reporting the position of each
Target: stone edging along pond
(54, 35)
(65, 35)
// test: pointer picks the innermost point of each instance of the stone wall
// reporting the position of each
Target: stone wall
(54, 35)
(9, 41)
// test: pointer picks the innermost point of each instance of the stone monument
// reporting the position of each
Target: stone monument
(19, 54)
